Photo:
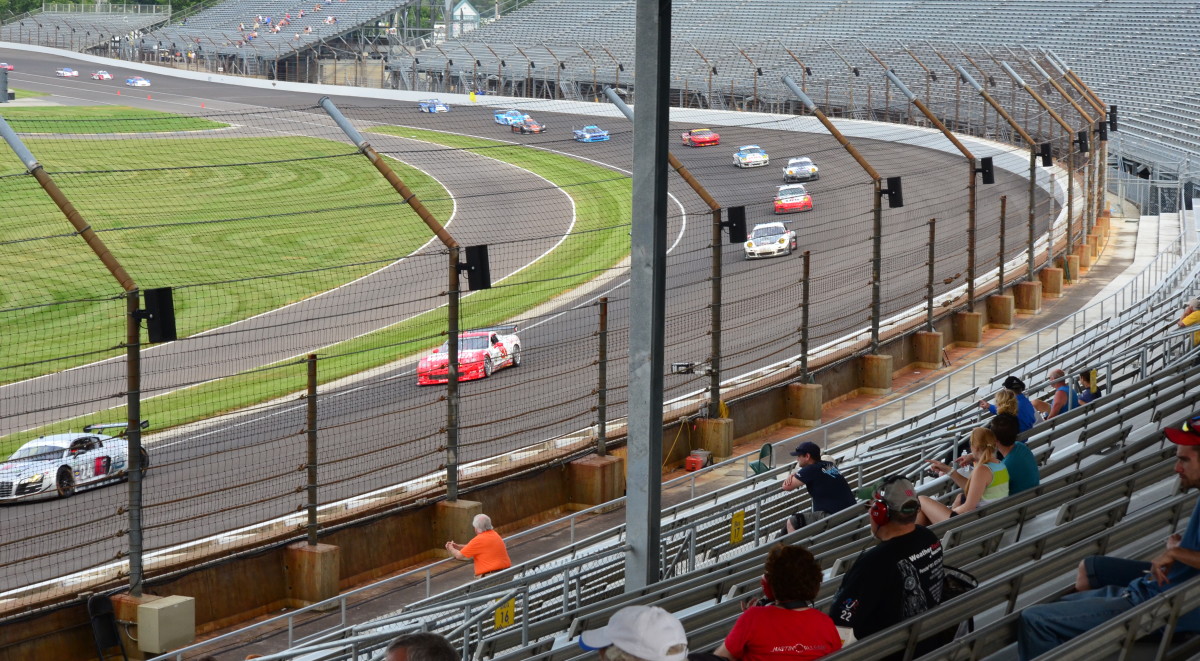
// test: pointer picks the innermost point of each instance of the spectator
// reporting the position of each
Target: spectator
(1026, 414)
(421, 646)
(1107, 586)
(826, 486)
(898, 578)
(1191, 317)
(485, 548)
(1016, 457)
(1006, 412)
(988, 481)
(1089, 389)
(1064, 398)
(638, 633)
(788, 627)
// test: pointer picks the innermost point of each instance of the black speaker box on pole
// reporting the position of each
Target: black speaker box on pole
(479, 272)
(160, 315)
(736, 224)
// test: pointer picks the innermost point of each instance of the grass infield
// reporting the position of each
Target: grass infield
(85, 120)
(599, 240)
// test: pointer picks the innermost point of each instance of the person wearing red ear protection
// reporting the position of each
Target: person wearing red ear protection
(898, 578)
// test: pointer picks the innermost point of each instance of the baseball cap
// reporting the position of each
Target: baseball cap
(1194, 303)
(1187, 434)
(898, 493)
(647, 632)
(809, 448)
(1014, 384)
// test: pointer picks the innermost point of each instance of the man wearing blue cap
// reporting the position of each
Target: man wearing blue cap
(1110, 586)
(826, 486)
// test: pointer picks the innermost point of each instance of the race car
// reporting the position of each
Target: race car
(6, 66)
(60, 464)
(67, 72)
(769, 240)
(432, 105)
(700, 138)
(137, 81)
(590, 134)
(101, 75)
(509, 117)
(750, 156)
(792, 197)
(530, 125)
(480, 352)
(800, 169)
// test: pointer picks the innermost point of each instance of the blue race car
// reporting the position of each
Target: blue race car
(509, 117)
(432, 105)
(591, 134)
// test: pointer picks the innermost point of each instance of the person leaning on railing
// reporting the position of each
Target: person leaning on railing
(988, 481)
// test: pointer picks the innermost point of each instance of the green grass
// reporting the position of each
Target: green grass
(600, 240)
(233, 230)
(86, 120)
(22, 94)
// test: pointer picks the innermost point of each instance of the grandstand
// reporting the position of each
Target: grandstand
(83, 27)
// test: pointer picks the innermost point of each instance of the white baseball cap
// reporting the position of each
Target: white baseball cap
(647, 632)
(1194, 303)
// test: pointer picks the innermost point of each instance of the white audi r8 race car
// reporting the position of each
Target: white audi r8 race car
(433, 105)
(66, 72)
(137, 81)
(769, 240)
(60, 464)
(480, 352)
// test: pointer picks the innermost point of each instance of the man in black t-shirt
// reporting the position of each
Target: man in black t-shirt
(826, 486)
(899, 577)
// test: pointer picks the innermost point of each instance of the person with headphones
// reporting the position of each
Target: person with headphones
(898, 578)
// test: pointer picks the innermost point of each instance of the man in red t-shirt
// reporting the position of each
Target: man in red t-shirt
(485, 548)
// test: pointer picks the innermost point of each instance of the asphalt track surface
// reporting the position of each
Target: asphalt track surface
(243, 468)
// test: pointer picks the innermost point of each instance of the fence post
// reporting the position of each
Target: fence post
(1033, 156)
(804, 307)
(1000, 252)
(133, 365)
(929, 281)
(452, 379)
(602, 383)
(312, 448)
(714, 372)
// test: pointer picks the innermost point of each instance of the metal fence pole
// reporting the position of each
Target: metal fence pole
(1033, 156)
(133, 364)
(804, 308)
(452, 379)
(714, 372)
(1000, 251)
(602, 382)
(312, 448)
(929, 281)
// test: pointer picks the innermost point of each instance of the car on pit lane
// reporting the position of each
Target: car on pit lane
(769, 240)
(530, 125)
(792, 197)
(433, 105)
(480, 353)
(750, 156)
(66, 72)
(6, 66)
(700, 138)
(800, 169)
(58, 465)
(590, 134)
(509, 117)
(101, 75)
(137, 81)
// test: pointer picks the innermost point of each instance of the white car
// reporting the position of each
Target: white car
(800, 169)
(101, 75)
(480, 353)
(137, 81)
(750, 156)
(59, 464)
(67, 72)
(770, 240)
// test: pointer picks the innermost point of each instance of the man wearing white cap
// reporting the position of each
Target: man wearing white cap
(638, 633)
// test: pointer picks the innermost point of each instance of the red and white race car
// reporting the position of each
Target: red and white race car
(101, 75)
(700, 138)
(6, 66)
(480, 352)
(792, 197)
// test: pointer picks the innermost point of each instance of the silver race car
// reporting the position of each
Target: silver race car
(60, 464)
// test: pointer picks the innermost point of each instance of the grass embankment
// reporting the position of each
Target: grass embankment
(24, 94)
(599, 240)
(87, 120)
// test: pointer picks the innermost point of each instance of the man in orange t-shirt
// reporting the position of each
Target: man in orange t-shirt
(485, 548)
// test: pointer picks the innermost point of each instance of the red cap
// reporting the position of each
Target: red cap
(1189, 435)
